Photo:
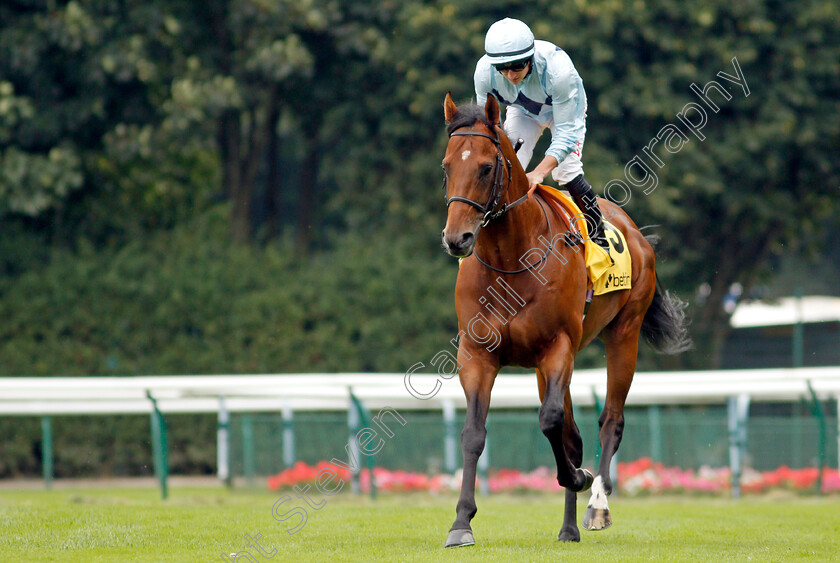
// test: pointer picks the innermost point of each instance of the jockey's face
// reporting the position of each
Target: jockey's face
(514, 75)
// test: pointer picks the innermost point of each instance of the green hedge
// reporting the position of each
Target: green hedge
(189, 301)
(112, 446)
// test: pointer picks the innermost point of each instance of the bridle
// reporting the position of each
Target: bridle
(492, 210)
(488, 210)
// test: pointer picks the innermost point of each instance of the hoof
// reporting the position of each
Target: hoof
(589, 479)
(460, 538)
(597, 518)
(572, 534)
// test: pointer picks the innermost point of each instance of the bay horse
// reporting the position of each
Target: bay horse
(544, 324)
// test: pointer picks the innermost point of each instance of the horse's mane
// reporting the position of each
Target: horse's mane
(467, 115)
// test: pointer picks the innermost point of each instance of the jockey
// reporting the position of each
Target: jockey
(541, 88)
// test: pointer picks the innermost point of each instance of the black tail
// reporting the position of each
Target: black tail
(665, 327)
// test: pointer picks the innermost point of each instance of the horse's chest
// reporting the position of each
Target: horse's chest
(518, 322)
(534, 331)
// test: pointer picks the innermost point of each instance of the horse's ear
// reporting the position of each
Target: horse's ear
(491, 108)
(449, 107)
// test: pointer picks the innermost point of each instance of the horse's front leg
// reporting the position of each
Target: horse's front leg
(556, 419)
(477, 383)
(558, 425)
(574, 448)
(569, 531)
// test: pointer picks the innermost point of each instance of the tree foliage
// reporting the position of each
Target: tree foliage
(127, 128)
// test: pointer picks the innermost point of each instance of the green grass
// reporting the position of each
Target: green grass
(198, 524)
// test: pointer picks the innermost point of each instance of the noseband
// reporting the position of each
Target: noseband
(490, 210)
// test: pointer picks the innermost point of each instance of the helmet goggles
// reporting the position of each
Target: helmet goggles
(515, 66)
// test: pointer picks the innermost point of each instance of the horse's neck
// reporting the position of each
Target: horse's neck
(514, 234)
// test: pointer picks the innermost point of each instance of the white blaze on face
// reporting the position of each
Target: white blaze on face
(599, 495)
(465, 155)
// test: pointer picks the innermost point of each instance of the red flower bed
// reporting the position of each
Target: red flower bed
(639, 477)
(644, 476)
(794, 479)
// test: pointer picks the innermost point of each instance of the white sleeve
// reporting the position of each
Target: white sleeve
(481, 79)
(568, 104)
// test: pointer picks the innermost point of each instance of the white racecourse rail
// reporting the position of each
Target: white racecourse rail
(318, 391)
(286, 393)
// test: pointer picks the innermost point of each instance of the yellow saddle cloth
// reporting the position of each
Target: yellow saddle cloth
(607, 271)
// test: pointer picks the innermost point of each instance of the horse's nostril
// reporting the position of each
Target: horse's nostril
(458, 245)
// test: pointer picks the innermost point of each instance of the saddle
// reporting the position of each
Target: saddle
(607, 271)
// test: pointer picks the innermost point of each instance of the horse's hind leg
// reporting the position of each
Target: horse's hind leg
(622, 345)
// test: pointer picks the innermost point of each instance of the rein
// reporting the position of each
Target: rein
(489, 210)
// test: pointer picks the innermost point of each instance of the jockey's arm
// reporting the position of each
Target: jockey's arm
(481, 81)
(543, 169)
(568, 107)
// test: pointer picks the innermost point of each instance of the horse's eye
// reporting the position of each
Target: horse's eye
(485, 170)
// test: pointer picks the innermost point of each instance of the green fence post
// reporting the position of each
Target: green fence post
(223, 445)
(450, 443)
(159, 446)
(360, 418)
(738, 410)
(248, 448)
(47, 450)
(655, 422)
(734, 458)
(288, 436)
(817, 410)
(598, 407)
(353, 427)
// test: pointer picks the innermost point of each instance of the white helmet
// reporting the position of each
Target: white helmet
(508, 40)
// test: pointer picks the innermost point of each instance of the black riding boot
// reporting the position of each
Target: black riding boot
(581, 192)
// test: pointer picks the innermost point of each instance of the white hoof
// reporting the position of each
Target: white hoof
(597, 515)
(597, 519)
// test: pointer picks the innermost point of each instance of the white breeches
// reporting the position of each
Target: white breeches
(518, 125)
